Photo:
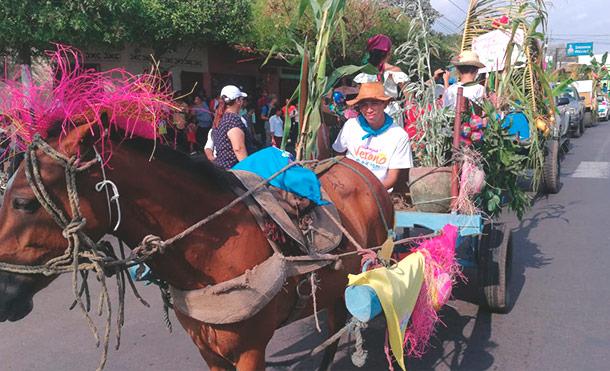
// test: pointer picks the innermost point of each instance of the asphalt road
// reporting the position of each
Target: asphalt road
(560, 320)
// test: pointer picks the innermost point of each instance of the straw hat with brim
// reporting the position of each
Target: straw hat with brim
(467, 58)
(370, 91)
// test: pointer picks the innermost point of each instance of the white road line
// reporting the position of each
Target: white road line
(592, 169)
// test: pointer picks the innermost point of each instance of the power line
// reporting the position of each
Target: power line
(446, 29)
(449, 29)
(457, 6)
(578, 40)
(450, 21)
(582, 34)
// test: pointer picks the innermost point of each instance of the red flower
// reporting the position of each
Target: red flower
(499, 22)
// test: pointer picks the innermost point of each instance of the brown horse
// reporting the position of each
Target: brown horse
(163, 197)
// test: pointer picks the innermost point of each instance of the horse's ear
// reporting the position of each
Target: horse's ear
(85, 134)
(81, 135)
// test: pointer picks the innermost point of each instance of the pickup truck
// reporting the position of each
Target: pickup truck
(585, 90)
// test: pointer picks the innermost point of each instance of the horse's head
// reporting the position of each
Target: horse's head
(29, 235)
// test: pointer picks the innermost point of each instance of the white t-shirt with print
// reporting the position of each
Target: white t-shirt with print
(475, 92)
(389, 150)
(276, 126)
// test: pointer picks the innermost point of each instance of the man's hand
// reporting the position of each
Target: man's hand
(391, 178)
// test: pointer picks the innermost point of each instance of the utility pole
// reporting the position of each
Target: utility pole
(556, 59)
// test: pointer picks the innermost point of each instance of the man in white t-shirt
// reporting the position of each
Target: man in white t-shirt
(276, 126)
(373, 138)
(467, 64)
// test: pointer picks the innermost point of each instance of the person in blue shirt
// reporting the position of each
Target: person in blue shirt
(203, 119)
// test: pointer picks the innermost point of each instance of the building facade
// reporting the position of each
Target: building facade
(204, 69)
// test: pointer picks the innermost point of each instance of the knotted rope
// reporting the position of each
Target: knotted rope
(83, 255)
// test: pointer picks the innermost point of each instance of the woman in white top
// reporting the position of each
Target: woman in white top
(392, 77)
(467, 64)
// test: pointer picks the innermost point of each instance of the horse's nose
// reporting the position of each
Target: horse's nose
(15, 296)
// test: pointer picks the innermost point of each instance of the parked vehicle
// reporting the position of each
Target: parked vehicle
(558, 140)
(603, 108)
(585, 90)
(576, 110)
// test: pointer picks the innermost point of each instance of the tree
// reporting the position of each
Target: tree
(29, 26)
(164, 24)
(410, 8)
(275, 24)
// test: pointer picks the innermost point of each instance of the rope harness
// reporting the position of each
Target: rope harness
(83, 255)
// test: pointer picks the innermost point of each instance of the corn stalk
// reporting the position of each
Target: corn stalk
(327, 18)
(433, 142)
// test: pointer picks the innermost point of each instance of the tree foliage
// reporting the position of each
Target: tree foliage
(411, 9)
(28, 26)
(275, 23)
(163, 24)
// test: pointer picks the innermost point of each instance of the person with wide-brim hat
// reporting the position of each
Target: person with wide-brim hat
(373, 138)
(467, 64)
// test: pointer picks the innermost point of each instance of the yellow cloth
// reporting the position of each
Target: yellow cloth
(397, 288)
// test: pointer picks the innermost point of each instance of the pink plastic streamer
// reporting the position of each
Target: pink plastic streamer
(441, 270)
(75, 96)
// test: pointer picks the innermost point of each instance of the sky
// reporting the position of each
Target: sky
(569, 20)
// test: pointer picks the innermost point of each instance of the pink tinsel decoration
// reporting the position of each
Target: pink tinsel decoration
(76, 96)
(441, 270)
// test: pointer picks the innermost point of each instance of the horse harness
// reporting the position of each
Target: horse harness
(83, 254)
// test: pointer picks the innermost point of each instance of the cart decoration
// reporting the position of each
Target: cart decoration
(409, 293)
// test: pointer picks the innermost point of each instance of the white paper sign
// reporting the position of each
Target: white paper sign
(491, 48)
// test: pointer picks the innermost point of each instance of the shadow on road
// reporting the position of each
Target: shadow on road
(464, 341)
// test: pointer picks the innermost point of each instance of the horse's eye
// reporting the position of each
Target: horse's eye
(29, 205)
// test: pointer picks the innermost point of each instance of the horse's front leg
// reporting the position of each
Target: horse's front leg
(252, 360)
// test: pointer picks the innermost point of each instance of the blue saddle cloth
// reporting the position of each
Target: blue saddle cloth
(516, 123)
(297, 179)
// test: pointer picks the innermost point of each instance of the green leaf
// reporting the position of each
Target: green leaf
(347, 71)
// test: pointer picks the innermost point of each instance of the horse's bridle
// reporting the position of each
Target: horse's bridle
(80, 245)
(82, 255)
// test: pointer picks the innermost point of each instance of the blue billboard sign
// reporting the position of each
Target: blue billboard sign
(576, 49)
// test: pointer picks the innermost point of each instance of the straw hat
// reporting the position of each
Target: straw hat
(369, 90)
(467, 58)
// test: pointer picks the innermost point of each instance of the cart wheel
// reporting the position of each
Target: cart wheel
(552, 168)
(495, 267)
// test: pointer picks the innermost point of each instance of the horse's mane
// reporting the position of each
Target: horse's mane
(200, 167)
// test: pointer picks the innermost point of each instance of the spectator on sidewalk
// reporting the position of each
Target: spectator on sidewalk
(232, 140)
(266, 113)
(203, 118)
(191, 137)
(276, 125)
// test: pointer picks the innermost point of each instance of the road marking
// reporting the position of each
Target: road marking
(592, 169)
